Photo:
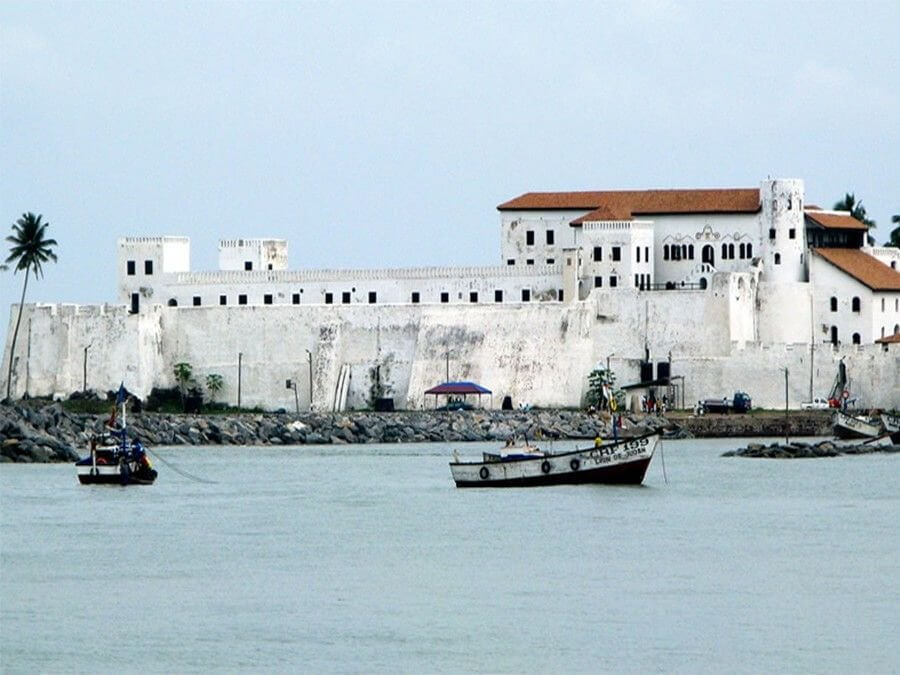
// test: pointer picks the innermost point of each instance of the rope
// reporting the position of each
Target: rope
(180, 471)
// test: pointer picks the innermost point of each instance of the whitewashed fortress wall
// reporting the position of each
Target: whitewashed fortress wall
(746, 298)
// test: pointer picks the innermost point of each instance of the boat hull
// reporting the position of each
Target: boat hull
(623, 463)
(126, 473)
(891, 422)
(846, 426)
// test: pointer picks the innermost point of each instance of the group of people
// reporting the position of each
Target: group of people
(651, 404)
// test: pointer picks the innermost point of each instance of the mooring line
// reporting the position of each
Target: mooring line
(180, 471)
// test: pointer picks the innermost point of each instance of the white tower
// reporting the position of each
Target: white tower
(783, 235)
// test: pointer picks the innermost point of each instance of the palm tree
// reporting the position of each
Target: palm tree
(895, 233)
(214, 384)
(29, 251)
(856, 208)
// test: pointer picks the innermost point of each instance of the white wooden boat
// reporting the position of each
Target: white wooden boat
(623, 463)
(891, 422)
(847, 426)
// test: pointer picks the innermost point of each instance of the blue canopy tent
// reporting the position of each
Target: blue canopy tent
(457, 389)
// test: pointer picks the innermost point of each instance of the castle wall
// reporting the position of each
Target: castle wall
(536, 353)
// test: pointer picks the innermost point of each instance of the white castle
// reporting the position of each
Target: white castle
(728, 287)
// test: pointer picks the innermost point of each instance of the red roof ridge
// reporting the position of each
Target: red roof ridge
(865, 268)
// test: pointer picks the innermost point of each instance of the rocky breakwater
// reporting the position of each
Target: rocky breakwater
(49, 433)
(801, 450)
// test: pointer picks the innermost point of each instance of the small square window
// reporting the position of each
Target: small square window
(498, 295)
(415, 297)
(223, 299)
(242, 299)
(329, 298)
(295, 299)
(269, 266)
(510, 261)
(613, 281)
(550, 237)
(792, 233)
(598, 282)
(248, 265)
(551, 261)
(372, 297)
(131, 268)
(148, 267)
(473, 296)
(771, 233)
(445, 296)
(529, 238)
(598, 253)
(267, 299)
(196, 301)
(616, 253)
(345, 298)
(530, 261)
(526, 295)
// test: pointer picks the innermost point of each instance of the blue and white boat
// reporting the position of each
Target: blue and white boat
(113, 458)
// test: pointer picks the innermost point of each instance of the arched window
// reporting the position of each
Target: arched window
(742, 251)
(684, 254)
(666, 252)
(703, 283)
(855, 304)
(833, 304)
(749, 250)
(777, 258)
(691, 251)
(731, 251)
(708, 254)
(882, 304)
(856, 338)
(724, 251)
(173, 302)
(834, 335)
(896, 328)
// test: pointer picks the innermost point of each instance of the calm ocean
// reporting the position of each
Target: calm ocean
(367, 559)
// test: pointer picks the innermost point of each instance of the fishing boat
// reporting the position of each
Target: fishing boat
(891, 422)
(113, 458)
(848, 426)
(620, 463)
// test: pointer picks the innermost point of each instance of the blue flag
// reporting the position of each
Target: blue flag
(120, 397)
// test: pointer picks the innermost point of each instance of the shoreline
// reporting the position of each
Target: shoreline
(42, 431)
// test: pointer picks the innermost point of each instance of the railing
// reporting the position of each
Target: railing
(338, 275)
(675, 286)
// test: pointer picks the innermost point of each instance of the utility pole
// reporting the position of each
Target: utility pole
(447, 376)
(84, 375)
(787, 427)
(240, 359)
(309, 362)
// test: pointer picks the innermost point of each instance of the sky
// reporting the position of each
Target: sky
(373, 134)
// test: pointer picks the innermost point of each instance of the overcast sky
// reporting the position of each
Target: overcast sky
(385, 134)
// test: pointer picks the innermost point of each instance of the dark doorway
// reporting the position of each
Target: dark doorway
(135, 303)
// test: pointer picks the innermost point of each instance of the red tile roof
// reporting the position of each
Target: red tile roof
(866, 269)
(890, 339)
(833, 221)
(625, 204)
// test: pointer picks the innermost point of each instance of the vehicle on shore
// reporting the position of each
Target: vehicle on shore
(740, 403)
(621, 462)
(816, 404)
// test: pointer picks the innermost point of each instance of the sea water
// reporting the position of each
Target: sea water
(365, 559)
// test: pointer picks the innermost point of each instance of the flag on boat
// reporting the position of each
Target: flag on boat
(120, 397)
